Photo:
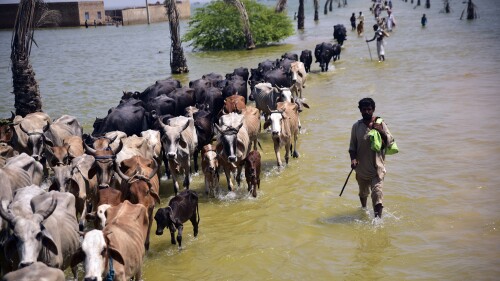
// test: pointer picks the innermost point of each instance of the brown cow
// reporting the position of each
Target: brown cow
(284, 124)
(6, 131)
(140, 184)
(234, 103)
(252, 171)
(210, 168)
(6, 152)
(118, 248)
(104, 164)
(35, 272)
(63, 155)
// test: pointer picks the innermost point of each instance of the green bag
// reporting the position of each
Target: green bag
(376, 141)
(392, 148)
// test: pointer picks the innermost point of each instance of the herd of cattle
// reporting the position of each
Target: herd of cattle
(112, 176)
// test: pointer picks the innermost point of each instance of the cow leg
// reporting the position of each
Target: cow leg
(295, 152)
(227, 171)
(195, 224)
(195, 159)
(172, 234)
(238, 175)
(288, 146)
(150, 218)
(278, 155)
(74, 270)
(179, 235)
(83, 221)
(165, 163)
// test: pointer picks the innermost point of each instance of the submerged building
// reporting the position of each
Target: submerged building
(77, 13)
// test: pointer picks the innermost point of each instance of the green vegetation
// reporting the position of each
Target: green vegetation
(218, 26)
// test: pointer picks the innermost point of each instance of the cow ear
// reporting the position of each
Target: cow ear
(115, 254)
(48, 142)
(155, 196)
(92, 171)
(48, 242)
(77, 257)
(267, 123)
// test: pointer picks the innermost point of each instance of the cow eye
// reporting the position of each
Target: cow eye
(103, 252)
(39, 236)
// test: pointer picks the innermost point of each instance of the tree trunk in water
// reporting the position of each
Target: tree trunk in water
(316, 8)
(330, 8)
(447, 7)
(418, 2)
(280, 6)
(245, 22)
(326, 7)
(427, 4)
(177, 59)
(26, 90)
(300, 21)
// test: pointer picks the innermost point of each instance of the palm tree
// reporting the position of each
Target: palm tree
(316, 7)
(471, 11)
(300, 21)
(245, 21)
(177, 59)
(280, 6)
(26, 90)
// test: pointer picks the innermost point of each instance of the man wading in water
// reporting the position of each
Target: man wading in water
(379, 35)
(369, 164)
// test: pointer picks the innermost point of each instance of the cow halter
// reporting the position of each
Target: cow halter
(111, 272)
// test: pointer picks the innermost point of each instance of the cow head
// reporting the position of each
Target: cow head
(95, 253)
(229, 139)
(36, 141)
(140, 185)
(274, 121)
(29, 234)
(171, 138)
(164, 218)
(104, 163)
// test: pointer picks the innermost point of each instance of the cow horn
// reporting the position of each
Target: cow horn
(89, 149)
(45, 214)
(111, 140)
(13, 116)
(120, 173)
(46, 127)
(22, 129)
(6, 215)
(155, 169)
(120, 146)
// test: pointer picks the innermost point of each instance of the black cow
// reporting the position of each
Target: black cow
(256, 77)
(336, 51)
(306, 59)
(235, 86)
(323, 54)
(161, 105)
(183, 207)
(279, 78)
(290, 56)
(128, 117)
(285, 64)
(161, 87)
(241, 72)
(215, 78)
(200, 86)
(183, 97)
(339, 33)
(203, 123)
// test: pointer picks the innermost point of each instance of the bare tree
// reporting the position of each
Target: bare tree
(471, 11)
(245, 22)
(177, 60)
(26, 92)
(280, 6)
(427, 4)
(300, 21)
(316, 8)
(326, 6)
(447, 6)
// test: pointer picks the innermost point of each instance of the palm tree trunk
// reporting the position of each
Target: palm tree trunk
(326, 6)
(427, 4)
(26, 90)
(245, 22)
(316, 8)
(280, 6)
(300, 21)
(177, 59)
(330, 8)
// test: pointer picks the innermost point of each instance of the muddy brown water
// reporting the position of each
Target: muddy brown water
(438, 92)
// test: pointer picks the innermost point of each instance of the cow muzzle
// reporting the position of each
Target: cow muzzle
(232, 159)
(25, 264)
(171, 155)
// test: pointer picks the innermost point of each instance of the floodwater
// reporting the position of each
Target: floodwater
(438, 92)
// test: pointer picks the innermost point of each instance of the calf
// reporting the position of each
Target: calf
(252, 171)
(210, 167)
(183, 207)
(306, 59)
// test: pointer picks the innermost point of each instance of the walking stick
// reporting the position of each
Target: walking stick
(346, 180)
(369, 51)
